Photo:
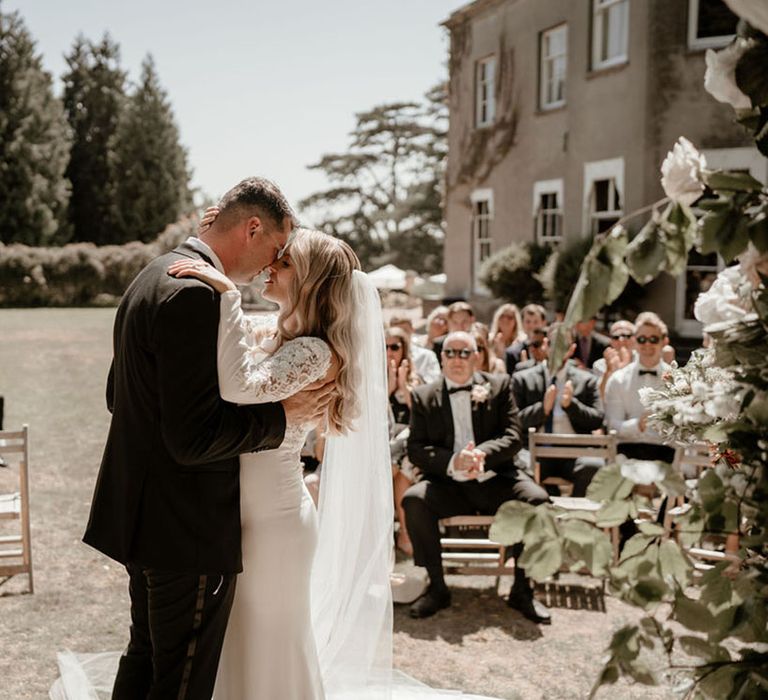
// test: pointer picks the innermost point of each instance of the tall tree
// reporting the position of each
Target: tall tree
(386, 189)
(93, 98)
(34, 143)
(153, 188)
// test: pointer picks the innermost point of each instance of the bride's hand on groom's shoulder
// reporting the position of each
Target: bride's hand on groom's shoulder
(202, 271)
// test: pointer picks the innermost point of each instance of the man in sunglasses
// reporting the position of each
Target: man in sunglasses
(624, 412)
(465, 432)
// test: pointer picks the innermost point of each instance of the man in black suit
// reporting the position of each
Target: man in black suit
(167, 499)
(590, 346)
(465, 432)
(566, 403)
(534, 318)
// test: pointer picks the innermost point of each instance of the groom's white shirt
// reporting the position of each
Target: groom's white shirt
(206, 250)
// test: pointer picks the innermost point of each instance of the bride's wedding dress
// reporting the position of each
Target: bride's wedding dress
(312, 614)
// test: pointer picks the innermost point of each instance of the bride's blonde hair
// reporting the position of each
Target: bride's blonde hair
(320, 304)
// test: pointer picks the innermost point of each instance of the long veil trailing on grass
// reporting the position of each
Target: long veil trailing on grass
(351, 596)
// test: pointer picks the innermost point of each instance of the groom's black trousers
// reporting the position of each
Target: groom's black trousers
(177, 631)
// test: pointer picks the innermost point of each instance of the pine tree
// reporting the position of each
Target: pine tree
(93, 99)
(386, 192)
(34, 143)
(153, 188)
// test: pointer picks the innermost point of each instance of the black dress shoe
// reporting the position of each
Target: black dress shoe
(531, 608)
(431, 602)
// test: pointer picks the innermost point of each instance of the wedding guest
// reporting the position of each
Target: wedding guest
(534, 317)
(506, 329)
(668, 354)
(488, 361)
(536, 350)
(566, 403)
(619, 354)
(465, 432)
(623, 410)
(589, 344)
(424, 361)
(402, 378)
(460, 317)
(436, 325)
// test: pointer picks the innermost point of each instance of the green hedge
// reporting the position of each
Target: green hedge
(79, 274)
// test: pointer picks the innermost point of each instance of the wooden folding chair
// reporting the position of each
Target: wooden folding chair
(473, 556)
(15, 548)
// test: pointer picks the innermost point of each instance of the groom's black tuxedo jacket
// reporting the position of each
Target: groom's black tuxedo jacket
(168, 491)
(495, 424)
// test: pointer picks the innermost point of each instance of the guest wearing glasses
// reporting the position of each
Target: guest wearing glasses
(623, 410)
(424, 361)
(465, 432)
(619, 354)
(402, 378)
(534, 319)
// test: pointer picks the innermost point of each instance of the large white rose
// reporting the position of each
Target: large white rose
(720, 77)
(754, 11)
(722, 301)
(641, 471)
(681, 172)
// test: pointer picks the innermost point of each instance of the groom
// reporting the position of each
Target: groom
(167, 498)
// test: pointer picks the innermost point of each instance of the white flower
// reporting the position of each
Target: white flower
(720, 77)
(642, 471)
(722, 302)
(480, 393)
(752, 262)
(681, 172)
(754, 11)
(699, 389)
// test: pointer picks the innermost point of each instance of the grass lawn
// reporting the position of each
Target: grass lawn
(53, 367)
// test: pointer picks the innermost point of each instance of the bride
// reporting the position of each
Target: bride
(312, 614)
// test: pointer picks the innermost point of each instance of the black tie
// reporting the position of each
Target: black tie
(648, 371)
(459, 388)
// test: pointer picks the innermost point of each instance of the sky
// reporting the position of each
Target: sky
(260, 88)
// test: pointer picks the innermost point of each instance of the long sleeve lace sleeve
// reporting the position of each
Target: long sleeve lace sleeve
(245, 380)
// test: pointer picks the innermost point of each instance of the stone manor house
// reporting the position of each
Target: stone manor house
(561, 112)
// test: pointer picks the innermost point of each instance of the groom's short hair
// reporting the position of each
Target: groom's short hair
(255, 196)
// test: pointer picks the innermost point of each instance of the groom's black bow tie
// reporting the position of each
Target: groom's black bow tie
(652, 372)
(454, 389)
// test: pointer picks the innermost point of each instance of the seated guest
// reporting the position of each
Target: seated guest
(534, 318)
(619, 354)
(624, 412)
(566, 403)
(402, 378)
(488, 360)
(424, 361)
(460, 317)
(668, 354)
(506, 329)
(589, 345)
(535, 352)
(465, 432)
(437, 326)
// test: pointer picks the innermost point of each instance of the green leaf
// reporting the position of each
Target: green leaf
(613, 513)
(634, 546)
(647, 255)
(711, 491)
(690, 527)
(702, 649)
(598, 557)
(740, 182)
(510, 522)
(673, 484)
(692, 614)
(579, 532)
(680, 227)
(608, 676)
(609, 485)
(751, 76)
(652, 529)
(673, 564)
(758, 233)
(542, 559)
(649, 590)
(719, 683)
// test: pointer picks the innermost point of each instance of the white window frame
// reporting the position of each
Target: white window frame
(542, 187)
(478, 243)
(695, 42)
(745, 158)
(610, 169)
(600, 11)
(547, 62)
(485, 91)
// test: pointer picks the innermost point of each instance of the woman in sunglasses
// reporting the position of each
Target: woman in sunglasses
(402, 377)
(619, 354)
(488, 361)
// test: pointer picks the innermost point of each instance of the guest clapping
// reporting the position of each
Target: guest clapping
(619, 354)
(506, 329)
